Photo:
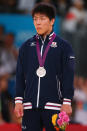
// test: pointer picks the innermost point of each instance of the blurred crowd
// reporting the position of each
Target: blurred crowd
(8, 60)
(25, 6)
(73, 16)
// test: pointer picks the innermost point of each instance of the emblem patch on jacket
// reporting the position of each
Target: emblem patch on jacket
(33, 44)
(72, 57)
(54, 44)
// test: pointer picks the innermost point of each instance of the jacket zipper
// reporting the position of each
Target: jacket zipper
(38, 94)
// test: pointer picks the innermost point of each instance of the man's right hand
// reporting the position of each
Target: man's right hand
(18, 110)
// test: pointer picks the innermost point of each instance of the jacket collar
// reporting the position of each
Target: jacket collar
(48, 36)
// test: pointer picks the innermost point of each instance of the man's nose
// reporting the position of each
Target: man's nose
(38, 21)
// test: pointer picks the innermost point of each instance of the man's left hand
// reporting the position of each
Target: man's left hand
(67, 108)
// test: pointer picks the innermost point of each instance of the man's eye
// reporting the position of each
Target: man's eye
(42, 18)
(34, 18)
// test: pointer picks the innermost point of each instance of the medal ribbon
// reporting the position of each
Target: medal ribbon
(42, 59)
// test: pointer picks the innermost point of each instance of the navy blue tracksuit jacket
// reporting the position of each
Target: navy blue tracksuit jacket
(56, 87)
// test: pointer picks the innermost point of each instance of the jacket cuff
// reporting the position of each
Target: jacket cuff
(67, 101)
(18, 100)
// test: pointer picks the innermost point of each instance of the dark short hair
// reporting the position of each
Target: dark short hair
(44, 8)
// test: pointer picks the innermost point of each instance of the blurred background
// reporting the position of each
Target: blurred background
(16, 26)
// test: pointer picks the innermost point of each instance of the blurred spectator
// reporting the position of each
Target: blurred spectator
(54, 2)
(72, 29)
(7, 115)
(74, 19)
(85, 3)
(8, 56)
(1, 118)
(81, 48)
(80, 98)
(26, 5)
(62, 7)
(2, 31)
(46, 1)
(8, 6)
(5, 98)
(6, 102)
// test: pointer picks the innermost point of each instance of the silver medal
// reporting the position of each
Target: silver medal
(41, 72)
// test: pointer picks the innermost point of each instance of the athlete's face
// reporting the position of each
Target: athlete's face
(43, 24)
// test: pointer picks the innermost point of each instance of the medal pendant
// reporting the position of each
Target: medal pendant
(41, 72)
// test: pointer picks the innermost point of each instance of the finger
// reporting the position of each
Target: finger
(21, 113)
(17, 113)
(69, 114)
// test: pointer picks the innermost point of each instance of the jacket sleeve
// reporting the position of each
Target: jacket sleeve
(68, 62)
(20, 79)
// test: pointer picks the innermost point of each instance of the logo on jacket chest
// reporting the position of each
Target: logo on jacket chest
(33, 44)
(54, 44)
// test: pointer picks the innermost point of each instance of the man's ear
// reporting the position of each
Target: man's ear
(52, 22)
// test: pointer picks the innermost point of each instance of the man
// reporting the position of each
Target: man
(45, 69)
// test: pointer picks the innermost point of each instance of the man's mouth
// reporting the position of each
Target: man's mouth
(38, 28)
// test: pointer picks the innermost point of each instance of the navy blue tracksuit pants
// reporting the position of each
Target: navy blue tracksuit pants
(36, 119)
